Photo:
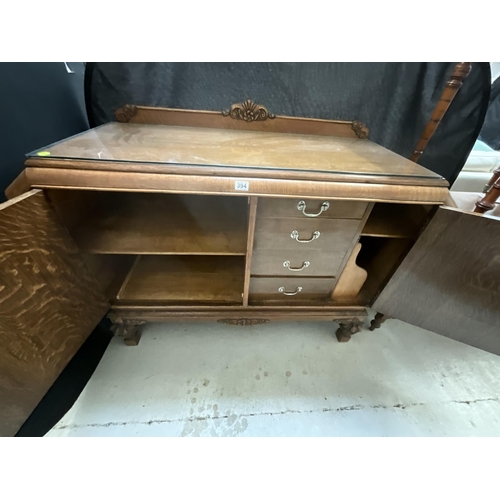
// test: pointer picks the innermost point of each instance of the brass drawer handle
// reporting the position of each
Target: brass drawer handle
(301, 205)
(305, 264)
(295, 236)
(281, 289)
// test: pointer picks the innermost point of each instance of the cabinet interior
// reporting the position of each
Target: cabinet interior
(192, 249)
(157, 247)
(388, 235)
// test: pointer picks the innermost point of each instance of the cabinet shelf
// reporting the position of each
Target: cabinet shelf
(164, 224)
(214, 279)
(390, 220)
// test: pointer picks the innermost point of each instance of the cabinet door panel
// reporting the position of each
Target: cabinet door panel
(450, 281)
(49, 304)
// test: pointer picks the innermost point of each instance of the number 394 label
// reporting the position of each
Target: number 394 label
(241, 185)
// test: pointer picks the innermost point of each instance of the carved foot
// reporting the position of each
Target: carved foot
(347, 327)
(377, 321)
(128, 330)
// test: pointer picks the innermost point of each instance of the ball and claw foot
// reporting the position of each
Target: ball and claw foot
(347, 327)
(377, 321)
(128, 331)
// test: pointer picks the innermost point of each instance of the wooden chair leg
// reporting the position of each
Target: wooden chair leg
(453, 85)
(492, 194)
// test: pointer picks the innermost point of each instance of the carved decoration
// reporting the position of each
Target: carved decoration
(249, 112)
(360, 129)
(243, 321)
(124, 114)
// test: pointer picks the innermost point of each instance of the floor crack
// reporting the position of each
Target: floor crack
(399, 406)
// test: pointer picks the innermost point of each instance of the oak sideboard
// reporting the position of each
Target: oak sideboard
(239, 217)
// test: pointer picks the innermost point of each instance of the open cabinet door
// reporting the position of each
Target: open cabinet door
(449, 282)
(49, 304)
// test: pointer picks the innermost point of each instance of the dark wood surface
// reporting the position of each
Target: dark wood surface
(450, 281)
(453, 85)
(391, 220)
(49, 305)
(489, 200)
(235, 148)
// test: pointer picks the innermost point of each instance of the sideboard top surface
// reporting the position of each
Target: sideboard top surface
(266, 151)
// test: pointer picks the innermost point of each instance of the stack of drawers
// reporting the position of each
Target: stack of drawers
(300, 245)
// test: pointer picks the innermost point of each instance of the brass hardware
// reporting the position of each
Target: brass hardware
(305, 264)
(281, 289)
(301, 205)
(295, 236)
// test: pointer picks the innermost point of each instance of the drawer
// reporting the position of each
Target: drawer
(310, 263)
(298, 288)
(289, 207)
(329, 235)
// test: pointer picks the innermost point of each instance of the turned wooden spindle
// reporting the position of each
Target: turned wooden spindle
(492, 191)
(453, 85)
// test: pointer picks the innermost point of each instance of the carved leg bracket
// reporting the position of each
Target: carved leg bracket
(128, 330)
(347, 327)
(377, 321)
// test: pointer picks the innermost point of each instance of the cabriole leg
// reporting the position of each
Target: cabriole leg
(347, 327)
(128, 330)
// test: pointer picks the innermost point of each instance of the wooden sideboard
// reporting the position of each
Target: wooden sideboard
(238, 217)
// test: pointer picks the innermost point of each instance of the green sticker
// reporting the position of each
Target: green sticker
(43, 153)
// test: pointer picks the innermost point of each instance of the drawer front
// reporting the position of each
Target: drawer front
(332, 236)
(296, 263)
(291, 289)
(321, 209)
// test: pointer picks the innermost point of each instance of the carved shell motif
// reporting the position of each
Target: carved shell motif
(249, 112)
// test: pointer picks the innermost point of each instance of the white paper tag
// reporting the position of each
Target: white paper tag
(241, 185)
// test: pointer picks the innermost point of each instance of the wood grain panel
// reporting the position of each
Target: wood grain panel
(49, 302)
(291, 312)
(206, 170)
(204, 184)
(287, 207)
(450, 281)
(335, 234)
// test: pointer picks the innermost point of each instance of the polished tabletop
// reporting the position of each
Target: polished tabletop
(174, 145)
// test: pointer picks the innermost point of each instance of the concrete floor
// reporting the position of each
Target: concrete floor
(288, 379)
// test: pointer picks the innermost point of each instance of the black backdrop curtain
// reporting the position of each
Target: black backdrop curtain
(395, 100)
